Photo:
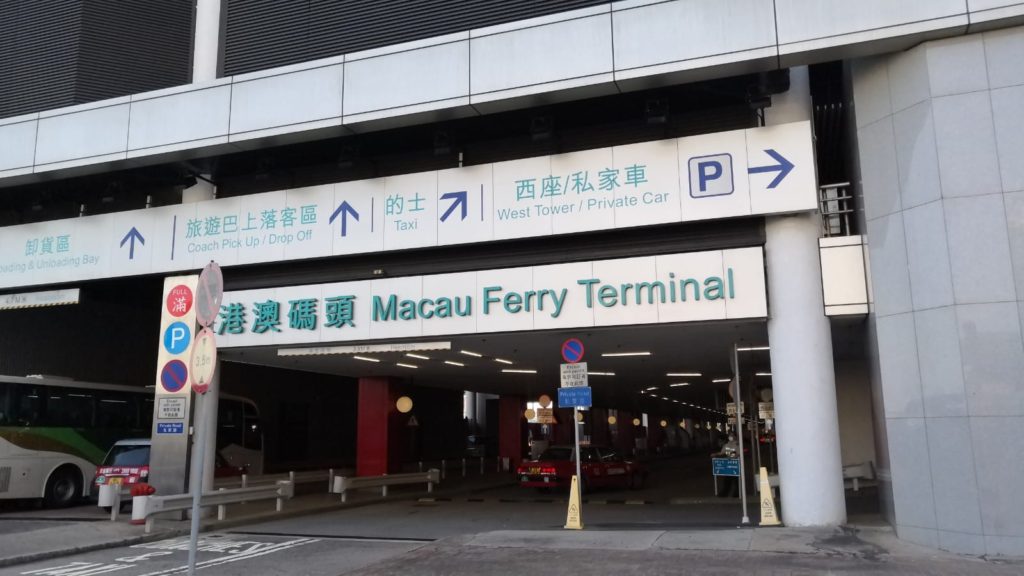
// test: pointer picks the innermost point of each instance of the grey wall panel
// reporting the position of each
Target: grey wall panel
(266, 33)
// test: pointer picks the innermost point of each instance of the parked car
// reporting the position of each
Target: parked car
(600, 467)
(127, 463)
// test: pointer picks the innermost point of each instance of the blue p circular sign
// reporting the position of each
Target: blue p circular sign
(176, 338)
(174, 375)
(572, 350)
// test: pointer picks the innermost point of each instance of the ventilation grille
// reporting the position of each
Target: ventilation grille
(264, 34)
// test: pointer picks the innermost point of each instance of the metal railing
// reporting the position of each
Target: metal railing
(342, 484)
(836, 205)
(280, 491)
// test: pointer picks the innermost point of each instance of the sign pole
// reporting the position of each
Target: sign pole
(197, 489)
(576, 427)
(739, 431)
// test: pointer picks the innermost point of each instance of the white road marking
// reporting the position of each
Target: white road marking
(230, 547)
(235, 557)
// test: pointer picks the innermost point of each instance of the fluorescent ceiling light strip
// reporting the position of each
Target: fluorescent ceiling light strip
(683, 374)
(417, 356)
(453, 363)
(365, 348)
(652, 388)
(405, 365)
(600, 373)
(720, 380)
(365, 359)
(518, 371)
(473, 354)
(503, 361)
(678, 384)
(763, 374)
(752, 348)
(623, 354)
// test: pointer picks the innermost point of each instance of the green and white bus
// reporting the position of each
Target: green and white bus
(55, 431)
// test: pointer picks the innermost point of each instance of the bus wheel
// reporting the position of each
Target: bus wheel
(64, 488)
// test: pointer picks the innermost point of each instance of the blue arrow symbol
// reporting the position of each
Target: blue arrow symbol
(132, 235)
(460, 200)
(345, 210)
(784, 167)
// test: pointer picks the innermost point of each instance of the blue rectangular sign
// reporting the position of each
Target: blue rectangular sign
(170, 427)
(725, 466)
(575, 396)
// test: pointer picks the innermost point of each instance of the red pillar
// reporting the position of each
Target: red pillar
(510, 429)
(625, 424)
(378, 428)
(563, 431)
(600, 435)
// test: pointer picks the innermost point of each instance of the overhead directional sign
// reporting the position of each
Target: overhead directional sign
(131, 237)
(767, 170)
(342, 212)
(580, 396)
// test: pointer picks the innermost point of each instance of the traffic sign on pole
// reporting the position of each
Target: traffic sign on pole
(574, 375)
(209, 293)
(572, 350)
(203, 363)
(580, 396)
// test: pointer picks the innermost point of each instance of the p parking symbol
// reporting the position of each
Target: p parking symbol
(711, 175)
(177, 337)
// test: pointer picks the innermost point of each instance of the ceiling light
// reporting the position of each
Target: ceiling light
(652, 388)
(365, 359)
(752, 348)
(678, 384)
(468, 353)
(683, 374)
(763, 374)
(503, 361)
(405, 365)
(417, 356)
(517, 371)
(600, 373)
(621, 354)
(720, 380)
(453, 363)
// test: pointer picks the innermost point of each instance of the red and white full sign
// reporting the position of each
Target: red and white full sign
(179, 300)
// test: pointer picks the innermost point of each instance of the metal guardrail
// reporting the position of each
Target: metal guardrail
(281, 491)
(342, 484)
(836, 205)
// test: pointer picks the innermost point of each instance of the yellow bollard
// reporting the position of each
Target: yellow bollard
(768, 515)
(574, 519)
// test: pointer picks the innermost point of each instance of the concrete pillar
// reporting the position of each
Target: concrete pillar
(800, 336)
(206, 46)
(510, 429)
(377, 428)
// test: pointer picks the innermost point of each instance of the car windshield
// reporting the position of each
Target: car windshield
(127, 456)
(557, 453)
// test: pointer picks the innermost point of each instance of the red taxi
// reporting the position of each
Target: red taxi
(126, 463)
(600, 467)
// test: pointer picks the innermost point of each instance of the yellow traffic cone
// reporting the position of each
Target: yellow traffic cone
(768, 515)
(574, 519)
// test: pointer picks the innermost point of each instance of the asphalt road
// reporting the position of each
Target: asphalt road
(223, 555)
